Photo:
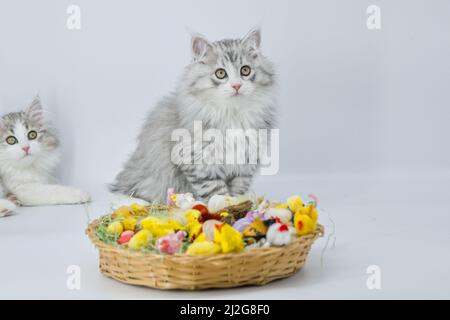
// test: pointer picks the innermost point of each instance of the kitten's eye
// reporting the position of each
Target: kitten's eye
(11, 140)
(245, 71)
(32, 135)
(221, 73)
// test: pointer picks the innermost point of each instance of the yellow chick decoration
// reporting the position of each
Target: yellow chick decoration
(140, 239)
(159, 227)
(123, 212)
(229, 239)
(193, 227)
(256, 228)
(303, 224)
(138, 210)
(201, 238)
(115, 228)
(206, 247)
(295, 203)
(310, 211)
(129, 224)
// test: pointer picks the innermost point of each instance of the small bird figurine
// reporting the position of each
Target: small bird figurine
(295, 203)
(193, 227)
(311, 211)
(160, 227)
(304, 224)
(278, 234)
(229, 239)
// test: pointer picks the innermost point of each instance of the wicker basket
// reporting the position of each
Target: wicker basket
(254, 267)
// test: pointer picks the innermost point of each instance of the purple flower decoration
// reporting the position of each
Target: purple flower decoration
(251, 216)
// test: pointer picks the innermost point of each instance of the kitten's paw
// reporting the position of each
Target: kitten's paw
(72, 196)
(6, 207)
(13, 198)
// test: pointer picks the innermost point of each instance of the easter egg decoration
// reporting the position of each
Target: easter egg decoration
(200, 207)
(125, 237)
(242, 223)
(115, 228)
(278, 234)
(123, 212)
(160, 227)
(129, 224)
(208, 228)
(140, 239)
(257, 229)
(229, 239)
(219, 202)
(193, 226)
(311, 211)
(203, 248)
(303, 224)
(138, 209)
(295, 203)
(171, 243)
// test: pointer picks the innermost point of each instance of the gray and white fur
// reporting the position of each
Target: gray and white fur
(238, 100)
(28, 155)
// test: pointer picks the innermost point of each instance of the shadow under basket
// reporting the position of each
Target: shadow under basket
(188, 272)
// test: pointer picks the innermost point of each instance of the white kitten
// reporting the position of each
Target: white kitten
(28, 155)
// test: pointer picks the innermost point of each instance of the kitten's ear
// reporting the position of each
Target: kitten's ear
(200, 47)
(35, 112)
(253, 39)
(2, 125)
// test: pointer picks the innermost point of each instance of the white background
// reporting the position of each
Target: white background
(363, 123)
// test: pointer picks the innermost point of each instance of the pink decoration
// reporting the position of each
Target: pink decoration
(170, 243)
(125, 237)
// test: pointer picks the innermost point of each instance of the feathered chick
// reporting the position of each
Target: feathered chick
(310, 211)
(193, 227)
(295, 203)
(304, 224)
(160, 227)
(278, 234)
(228, 238)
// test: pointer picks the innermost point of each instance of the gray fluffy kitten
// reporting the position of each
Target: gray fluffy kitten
(229, 84)
(28, 155)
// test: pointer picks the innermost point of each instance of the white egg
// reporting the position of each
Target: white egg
(218, 202)
(208, 228)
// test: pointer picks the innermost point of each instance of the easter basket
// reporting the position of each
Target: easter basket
(190, 272)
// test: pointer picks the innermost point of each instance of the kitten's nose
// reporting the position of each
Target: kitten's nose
(26, 149)
(237, 86)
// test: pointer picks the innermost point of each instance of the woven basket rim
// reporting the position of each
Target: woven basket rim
(90, 231)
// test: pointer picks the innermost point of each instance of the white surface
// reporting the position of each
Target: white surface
(398, 223)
